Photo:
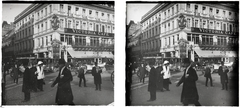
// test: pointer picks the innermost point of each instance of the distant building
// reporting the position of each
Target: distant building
(211, 30)
(85, 31)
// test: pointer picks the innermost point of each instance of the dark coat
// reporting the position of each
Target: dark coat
(223, 74)
(64, 92)
(159, 77)
(80, 72)
(15, 72)
(152, 83)
(26, 87)
(33, 75)
(142, 72)
(207, 72)
(97, 75)
(189, 91)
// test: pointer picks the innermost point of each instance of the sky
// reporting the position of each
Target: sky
(10, 11)
(135, 11)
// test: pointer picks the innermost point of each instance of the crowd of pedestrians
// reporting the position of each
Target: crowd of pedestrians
(159, 78)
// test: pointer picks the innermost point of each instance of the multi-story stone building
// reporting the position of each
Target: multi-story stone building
(85, 31)
(211, 30)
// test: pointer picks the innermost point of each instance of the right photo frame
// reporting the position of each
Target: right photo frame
(182, 53)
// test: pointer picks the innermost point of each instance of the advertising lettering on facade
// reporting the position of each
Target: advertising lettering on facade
(87, 32)
(183, 48)
(212, 31)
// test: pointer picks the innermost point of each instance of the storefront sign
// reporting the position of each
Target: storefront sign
(87, 32)
(211, 31)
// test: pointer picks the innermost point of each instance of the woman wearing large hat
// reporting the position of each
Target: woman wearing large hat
(189, 91)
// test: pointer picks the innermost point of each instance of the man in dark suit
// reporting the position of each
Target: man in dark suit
(152, 83)
(15, 73)
(142, 72)
(96, 72)
(26, 87)
(81, 75)
(64, 94)
(159, 77)
(222, 71)
(189, 91)
(208, 75)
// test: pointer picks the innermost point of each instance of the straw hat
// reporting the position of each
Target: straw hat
(40, 62)
(166, 62)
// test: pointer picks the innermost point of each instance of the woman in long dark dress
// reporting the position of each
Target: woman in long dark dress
(189, 91)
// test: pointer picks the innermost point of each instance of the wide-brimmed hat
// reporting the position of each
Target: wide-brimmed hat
(40, 62)
(166, 62)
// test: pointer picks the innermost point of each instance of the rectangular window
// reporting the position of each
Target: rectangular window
(50, 8)
(90, 12)
(196, 23)
(61, 8)
(173, 10)
(210, 11)
(196, 8)
(204, 10)
(46, 40)
(77, 11)
(176, 8)
(217, 11)
(188, 6)
(45, 11)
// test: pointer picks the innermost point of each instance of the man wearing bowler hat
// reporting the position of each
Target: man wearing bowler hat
(189, 91)
(64, 94)
(96, 72)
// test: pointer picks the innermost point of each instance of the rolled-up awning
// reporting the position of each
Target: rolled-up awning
(208, 54)
(90, 54)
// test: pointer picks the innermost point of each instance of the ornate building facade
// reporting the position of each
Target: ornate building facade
(210, 30)
(84, 31)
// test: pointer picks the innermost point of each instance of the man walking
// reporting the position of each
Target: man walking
(222, 71)
(159, 77)
(33, 76)
(96, 72)
(142, 73)
(64, 95)
(81, 76)
(15, 73)
(208, 75)
(152, 84)
(189, 91)
(26, 87)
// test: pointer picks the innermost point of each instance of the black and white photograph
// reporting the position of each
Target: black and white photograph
(182, 53)
(58, 53)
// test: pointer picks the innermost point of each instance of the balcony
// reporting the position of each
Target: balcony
(90, 17)
(84, 16)
(211, 16)
(196, 14)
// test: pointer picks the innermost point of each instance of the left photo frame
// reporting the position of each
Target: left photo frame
(58, 53)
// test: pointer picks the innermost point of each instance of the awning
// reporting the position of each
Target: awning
(208, 54)
(90, 54)
(211, 54)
